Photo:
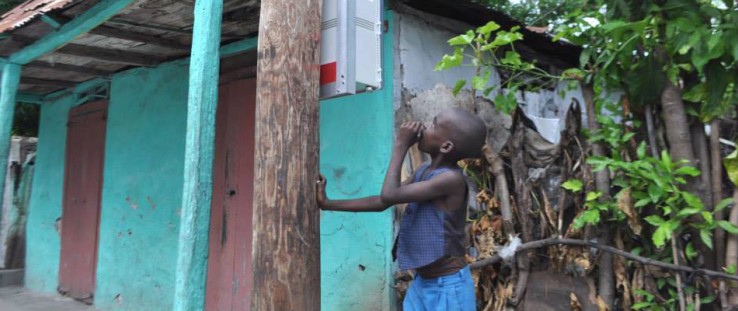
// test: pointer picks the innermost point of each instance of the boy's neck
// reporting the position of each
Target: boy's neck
(438, 160)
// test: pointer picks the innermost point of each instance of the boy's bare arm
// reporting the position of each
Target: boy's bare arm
(366, 204)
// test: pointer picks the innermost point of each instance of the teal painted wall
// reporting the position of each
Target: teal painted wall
(142, 191)
(356, 134)
(141, 195)
(42, 240)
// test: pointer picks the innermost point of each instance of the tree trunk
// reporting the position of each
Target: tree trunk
(651, 132)
(731, 251)
(717, 189)
(675, 121)
(522, 200)
(606, 278)
(704, 187)
(286, 242)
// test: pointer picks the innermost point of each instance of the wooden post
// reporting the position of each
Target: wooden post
(198, 169)
(8, 91)
(286, 254)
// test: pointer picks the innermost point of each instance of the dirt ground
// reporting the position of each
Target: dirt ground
(19, 299)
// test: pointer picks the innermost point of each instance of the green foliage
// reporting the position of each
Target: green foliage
(490, 47)
(537, 13)
(26, 120)
(638, 46)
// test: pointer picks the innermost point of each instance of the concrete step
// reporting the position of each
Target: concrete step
(11, 277)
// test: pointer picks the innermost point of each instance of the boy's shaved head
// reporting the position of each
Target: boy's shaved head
(466, 131)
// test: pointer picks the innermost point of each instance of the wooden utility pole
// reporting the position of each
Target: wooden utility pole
(286, 244)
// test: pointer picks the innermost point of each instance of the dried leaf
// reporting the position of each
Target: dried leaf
(625, 204)
(601, 305)
(621, 273)
(575, 305)
(550, 213)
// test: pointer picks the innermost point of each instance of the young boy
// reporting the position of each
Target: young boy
(432, 238)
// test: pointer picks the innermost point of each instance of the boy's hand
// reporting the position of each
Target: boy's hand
(320, 195)
(409, 133)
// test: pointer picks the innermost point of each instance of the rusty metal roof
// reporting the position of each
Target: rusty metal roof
(29, 10)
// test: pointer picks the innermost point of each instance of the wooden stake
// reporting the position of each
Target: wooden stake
(286, 254)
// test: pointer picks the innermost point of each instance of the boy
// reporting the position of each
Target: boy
(432, 238)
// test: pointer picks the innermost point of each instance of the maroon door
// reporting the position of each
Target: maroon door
(229, 261)
(81, 205)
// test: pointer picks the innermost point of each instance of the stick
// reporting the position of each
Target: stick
(609, 249)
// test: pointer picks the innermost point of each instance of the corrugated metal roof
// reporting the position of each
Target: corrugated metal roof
(27, 11)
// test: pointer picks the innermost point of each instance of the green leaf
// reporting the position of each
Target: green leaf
(723, 204)
(488, 28)
(730, 269)
(688, 212)
(687, 170)
(593, 195)
(661, 235)
(707, 216)
(731, 166)
(451, 61)
(655, 192)
(480, 82)
(587, 217)
(459, 85)
(692, 200)
(655, 220)
(642, 202)
(706, 237)
(462, 39)
(696, 93)
(573, 185)
(728, 226)
(690, 251)
(573, 73)
(511, 58)
(641, 151)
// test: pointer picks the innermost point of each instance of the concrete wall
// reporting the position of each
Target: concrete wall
(42, 239)
(422, 42)
(141, 193)
(356, 134)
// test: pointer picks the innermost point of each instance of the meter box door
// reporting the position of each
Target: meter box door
(350, 60)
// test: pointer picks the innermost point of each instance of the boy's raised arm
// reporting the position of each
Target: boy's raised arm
(393, 192)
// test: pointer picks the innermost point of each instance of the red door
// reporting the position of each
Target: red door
(229, 261)
(81, 205)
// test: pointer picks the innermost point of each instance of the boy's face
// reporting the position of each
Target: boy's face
(434, 134)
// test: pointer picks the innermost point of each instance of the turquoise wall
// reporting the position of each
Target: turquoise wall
(142, 191)
(42, 240)
(356, 134)
(141, 195)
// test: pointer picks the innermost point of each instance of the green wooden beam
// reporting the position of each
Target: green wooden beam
(191, 273)
(90, 19)
(51, 22)
(29, 98)
(8, 91)
(238, 47)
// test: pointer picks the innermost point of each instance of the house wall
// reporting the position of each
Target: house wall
(141, 194)
(142, 189)
(356, 134)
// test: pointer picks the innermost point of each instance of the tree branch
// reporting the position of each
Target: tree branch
(609, 249)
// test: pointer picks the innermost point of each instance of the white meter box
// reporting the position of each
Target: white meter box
(351, 49)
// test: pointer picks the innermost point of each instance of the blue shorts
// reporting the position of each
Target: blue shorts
(453, 292)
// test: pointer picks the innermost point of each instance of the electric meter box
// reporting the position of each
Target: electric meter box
(351, 47)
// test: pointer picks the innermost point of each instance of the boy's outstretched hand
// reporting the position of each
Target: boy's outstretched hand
(320, 195)
(409, 133)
